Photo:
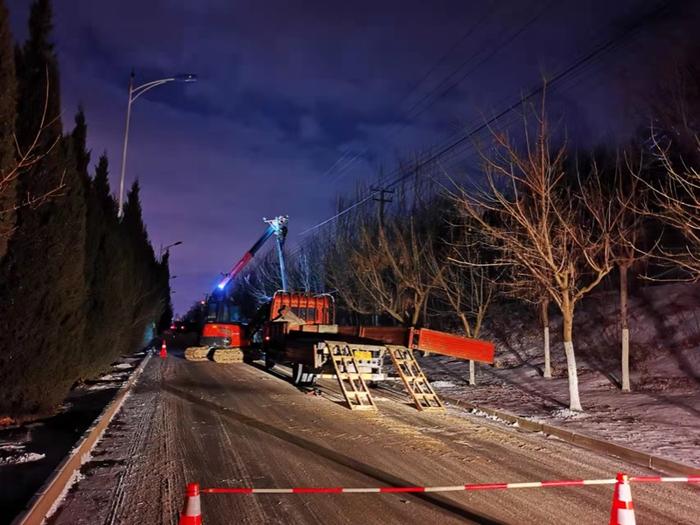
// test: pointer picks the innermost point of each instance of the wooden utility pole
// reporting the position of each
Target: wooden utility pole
(382, 200)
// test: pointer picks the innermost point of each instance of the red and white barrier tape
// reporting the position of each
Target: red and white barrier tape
(452, 488)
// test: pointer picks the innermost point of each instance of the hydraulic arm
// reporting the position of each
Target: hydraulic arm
(276, 227)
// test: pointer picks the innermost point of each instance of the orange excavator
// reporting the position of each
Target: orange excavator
(225, 332)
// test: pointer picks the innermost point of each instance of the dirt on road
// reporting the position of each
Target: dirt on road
(238, 425)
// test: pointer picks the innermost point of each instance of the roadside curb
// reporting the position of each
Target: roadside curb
(62, 477)
(598, 445)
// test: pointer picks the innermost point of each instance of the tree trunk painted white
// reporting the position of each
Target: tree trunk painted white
(625, 329)
(568, 326)
(574, 400)
(626, 360)
(472, 373)
(547, 360)
(544, 316)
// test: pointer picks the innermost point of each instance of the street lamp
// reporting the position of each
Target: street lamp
(134, 93)
(165, 250)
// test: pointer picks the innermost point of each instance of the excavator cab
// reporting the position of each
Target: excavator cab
(223, 324)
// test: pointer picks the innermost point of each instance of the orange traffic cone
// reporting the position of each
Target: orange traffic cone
(163, 350)
(192, 513)
(622, 512)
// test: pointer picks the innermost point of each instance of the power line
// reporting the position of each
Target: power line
(405, 115)
(481, 62)
(431, 96)
(582, 61)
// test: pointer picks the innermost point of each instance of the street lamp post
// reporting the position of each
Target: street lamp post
(134, 93)
(165, 250)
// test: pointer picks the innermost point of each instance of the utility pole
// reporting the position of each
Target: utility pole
(382, 200)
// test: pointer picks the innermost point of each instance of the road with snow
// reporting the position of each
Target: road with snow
(238, 425)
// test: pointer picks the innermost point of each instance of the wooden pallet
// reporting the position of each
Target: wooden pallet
(350, 380)
(414, 379)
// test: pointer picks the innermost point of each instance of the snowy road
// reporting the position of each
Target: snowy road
(237, 425)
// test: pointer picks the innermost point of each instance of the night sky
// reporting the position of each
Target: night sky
(298, 101)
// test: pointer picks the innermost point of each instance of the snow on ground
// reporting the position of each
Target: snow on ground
(15, 453)
(443, 384)
(30, 451)
(481, 413)
(660, 416)
(113, 377)
(105, 385)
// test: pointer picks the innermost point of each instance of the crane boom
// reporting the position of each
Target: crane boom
(277, 227)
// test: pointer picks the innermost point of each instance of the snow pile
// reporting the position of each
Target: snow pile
(443, 384)
(15, 453)
(565, 413)
(114, 377)
(104, 386)
(123, 366)
(481, 413)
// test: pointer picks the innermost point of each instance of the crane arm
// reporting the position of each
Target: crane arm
(276, 226)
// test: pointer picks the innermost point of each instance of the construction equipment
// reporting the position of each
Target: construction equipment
(224, 331)
(299, 330)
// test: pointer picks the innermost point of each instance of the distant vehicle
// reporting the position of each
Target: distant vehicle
(179, 327)
(183, 327)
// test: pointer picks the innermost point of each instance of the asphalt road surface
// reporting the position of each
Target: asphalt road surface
(238, 425)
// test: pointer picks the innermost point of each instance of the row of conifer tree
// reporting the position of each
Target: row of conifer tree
(78, 286)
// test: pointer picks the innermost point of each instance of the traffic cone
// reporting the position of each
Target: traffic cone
(163, 350)
(192, 513)
(622, 512)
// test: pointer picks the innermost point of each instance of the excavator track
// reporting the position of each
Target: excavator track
(227, 355)
(197, 353)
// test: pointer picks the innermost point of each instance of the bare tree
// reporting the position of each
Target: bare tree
(544, 318)
(388, 264)
(305, 266)
(523, 287)
(378, 262)
(339, 265)
(551, 231)
(677, 204)
(629, 197)
(462, 281)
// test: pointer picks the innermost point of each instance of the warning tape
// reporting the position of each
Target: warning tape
(450, 488)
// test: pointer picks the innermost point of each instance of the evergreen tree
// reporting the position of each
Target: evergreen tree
(103, 275)
(79, 139)
(166, 317)
(147, 282)
(42, 276)
(38, 81)
(8, 102)
(78, 286)
(101, 182)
